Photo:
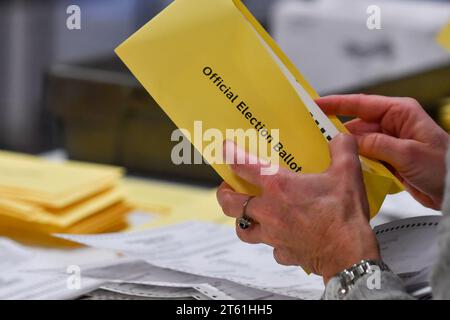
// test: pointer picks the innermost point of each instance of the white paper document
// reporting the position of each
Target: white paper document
(210, 250)
(410, 248)
(106, 293)
(18, 284)
(207, 250)
(148, 291)
(137, 272)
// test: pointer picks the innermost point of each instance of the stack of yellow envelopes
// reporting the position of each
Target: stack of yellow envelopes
(162, 197)
(444, 37)
(444, 114)
(38, 198)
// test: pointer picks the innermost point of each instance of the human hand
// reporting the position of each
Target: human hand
(317, 221)
(399, 132)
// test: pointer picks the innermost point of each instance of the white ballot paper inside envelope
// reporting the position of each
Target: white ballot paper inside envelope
(204, 249)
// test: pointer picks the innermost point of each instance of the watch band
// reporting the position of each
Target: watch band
(350, 276)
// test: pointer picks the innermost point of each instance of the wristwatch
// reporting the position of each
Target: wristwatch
(350, 276)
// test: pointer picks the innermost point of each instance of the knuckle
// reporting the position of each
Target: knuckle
(271, 236)
(277, 256)
(226, 203)
(283, 180)
(258, 216)
(272, 183)
(280, 257)
(255, 210)
(278, 223)
(220, 195)
(405, 107)
(273, 239)
(348, 162)
(371, 142)
(278, 183)
(411, 102)
(360, 97)
(350, 140)
(408, 149)
(267, 216)
(241, 234)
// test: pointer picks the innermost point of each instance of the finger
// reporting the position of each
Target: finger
(345, 157)
(370, 108)
(386, 148)
(361, 127)
(232, 203)
(421, 197)
(246, 166)
(282, 257)
(253, 235)
(347, 165)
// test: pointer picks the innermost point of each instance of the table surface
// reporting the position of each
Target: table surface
(395, 207)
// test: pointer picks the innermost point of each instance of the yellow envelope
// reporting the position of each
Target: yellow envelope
(111, 219)
(49, 184)
(159, 196)
(174, 55)
(444, 37)
(28, 213)
(205, 209)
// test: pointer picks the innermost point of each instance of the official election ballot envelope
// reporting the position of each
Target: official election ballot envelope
(211, 61)
(444, 37)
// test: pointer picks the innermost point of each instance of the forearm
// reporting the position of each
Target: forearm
(391, 288)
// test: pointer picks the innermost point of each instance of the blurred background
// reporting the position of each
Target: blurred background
(65, 90)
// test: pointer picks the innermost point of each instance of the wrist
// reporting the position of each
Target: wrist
(350, 253)
(351, 277)
(338, 268)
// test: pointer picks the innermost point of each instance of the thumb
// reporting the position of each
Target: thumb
(385, 148)
(345, 157)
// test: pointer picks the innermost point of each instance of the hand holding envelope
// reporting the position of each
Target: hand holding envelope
(306, 219)
(168, 56)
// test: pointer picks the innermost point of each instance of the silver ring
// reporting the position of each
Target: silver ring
(245, 222)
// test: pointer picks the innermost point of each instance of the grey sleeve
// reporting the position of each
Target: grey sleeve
(390, 288)
(440, 277)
